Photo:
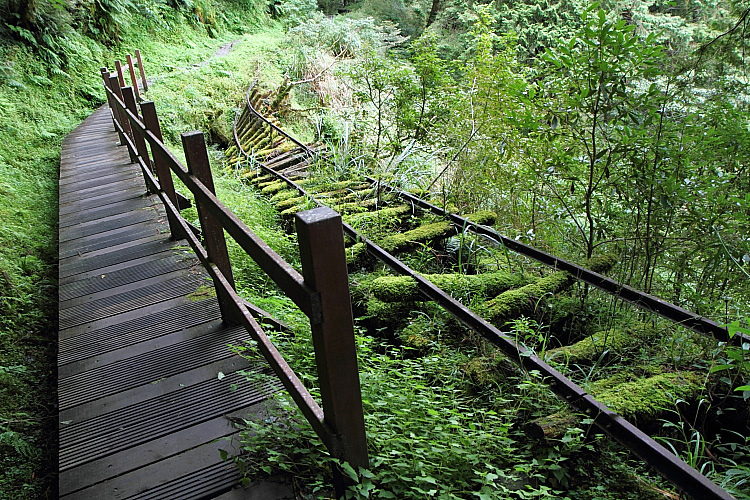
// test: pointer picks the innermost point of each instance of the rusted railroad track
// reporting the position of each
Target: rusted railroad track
(281, 168)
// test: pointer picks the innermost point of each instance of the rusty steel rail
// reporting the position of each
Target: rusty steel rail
(302, 145)
(671, 467)
(651, 303)
(340, 422)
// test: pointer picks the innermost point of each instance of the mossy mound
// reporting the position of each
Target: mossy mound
(640, 400)
(483, 217)
(514, 303)
(284, 194)
(355, 253)
(647, 398)
(615, 341)
(384, 215)
(273, 187)
(422, 234)
(398, 288)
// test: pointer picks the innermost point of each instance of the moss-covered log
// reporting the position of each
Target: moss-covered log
(355, 253)
(511, 304)
(484, 217)
(399, 288)
(386, 215)
(640, 401)
(290, 202)
(258, 180)
(615, 342)
(284, 194)
(350, 208)
(422, 234)
(274, 188)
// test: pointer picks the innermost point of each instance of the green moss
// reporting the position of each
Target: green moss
(273, 187)
(387, 313)
(616, 341)
(487, 372)
(513, 303)
(290, 202)
(260, 180)
(484, 217)
(417, 335)
(202, 293)
(284, 194)
(397, 288)
(349, 208)
(647, 398)
(355, 252)
(409, 239)
(383, 215)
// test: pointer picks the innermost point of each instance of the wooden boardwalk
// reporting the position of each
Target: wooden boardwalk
(142, 404)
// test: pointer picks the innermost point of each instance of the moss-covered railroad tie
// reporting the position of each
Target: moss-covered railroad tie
(511, 304)
(401, 288)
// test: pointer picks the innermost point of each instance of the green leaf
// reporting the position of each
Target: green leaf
(223, 454)
(349, 471)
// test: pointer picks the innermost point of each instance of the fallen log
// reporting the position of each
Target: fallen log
(613, 342)
(511, 304)
(639, 400)
(430, 232)
(400, 288)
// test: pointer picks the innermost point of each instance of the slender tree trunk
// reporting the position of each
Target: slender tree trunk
(433, 12)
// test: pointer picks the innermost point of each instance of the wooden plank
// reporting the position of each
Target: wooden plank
(170, 333)
(109, 241)
(131, 300)
(113, 432)
(157, 449)
(116, 254)
(120, 274)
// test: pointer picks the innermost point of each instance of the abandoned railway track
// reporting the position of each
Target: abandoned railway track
(406, 252)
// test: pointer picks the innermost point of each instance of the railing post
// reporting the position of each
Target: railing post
(198, 165)
(131, 70)
(321, 244)
(140, 142)
(141, 70)
(110, 101)
(151, 120)
(122, 118)
(120, 76)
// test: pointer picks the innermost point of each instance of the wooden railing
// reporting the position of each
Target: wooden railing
(321, 291)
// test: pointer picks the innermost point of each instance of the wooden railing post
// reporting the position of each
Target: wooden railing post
(151, 120)
(110, 101)
(140, 143)
(120, 76)
(122, 118)
(198, 165)
(144, 84)
(321, 244)
(131, 70)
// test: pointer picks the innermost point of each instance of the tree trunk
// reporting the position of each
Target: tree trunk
(433, 13)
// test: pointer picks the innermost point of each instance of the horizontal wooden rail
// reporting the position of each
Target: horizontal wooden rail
(321, 291)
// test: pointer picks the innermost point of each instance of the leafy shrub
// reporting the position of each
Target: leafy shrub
(343, 36)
